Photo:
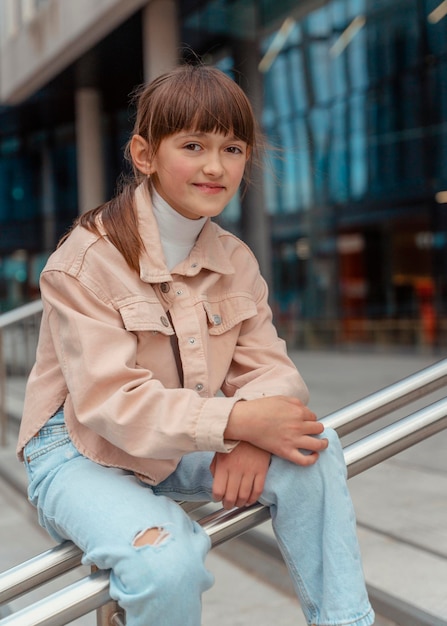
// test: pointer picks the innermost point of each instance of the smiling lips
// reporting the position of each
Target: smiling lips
(209, 187)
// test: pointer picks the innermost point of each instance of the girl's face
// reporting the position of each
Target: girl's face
(198, 173)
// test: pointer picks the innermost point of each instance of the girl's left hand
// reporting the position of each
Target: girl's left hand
(239, 476)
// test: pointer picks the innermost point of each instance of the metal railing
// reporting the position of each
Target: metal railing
(91, 593)
(19, 331)
(20, 328)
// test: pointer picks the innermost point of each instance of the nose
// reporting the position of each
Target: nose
(213, 165)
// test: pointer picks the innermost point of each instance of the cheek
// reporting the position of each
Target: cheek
(179, 170)
(238, 173)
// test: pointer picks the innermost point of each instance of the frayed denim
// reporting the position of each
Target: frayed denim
(104, 510)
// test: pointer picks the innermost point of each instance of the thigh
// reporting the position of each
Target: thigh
(102, 508)
(107, 512)
(98, 508)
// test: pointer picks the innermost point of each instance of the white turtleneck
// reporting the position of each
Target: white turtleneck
(178, 234)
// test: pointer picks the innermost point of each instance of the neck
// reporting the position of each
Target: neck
(178, 234)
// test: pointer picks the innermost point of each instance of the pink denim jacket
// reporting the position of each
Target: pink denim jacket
(106, 353)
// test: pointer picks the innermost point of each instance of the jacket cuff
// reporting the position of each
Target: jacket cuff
(211, 425)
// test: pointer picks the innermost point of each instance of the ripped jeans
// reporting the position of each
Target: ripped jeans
(104, 510)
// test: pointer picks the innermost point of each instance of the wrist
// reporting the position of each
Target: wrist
(237, 425)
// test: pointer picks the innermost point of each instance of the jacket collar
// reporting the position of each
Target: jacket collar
(207, 253)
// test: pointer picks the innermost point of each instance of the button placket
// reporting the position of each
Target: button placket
(187, 327)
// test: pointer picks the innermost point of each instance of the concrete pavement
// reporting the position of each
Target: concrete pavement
(401, 504)
(401, 508)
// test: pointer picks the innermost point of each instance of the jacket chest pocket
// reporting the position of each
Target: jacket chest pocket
(146, 316)
(228, 312)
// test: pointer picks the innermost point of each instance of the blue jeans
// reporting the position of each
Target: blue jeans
(102, 510)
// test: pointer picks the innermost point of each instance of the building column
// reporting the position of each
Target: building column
(255, 221)
(90, 157)
(161, 41)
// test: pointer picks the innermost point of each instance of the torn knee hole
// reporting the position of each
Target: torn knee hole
(150, 537)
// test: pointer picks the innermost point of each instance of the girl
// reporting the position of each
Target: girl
(150, 310)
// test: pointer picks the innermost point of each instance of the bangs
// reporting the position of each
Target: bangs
(200, 99)
(211, 107)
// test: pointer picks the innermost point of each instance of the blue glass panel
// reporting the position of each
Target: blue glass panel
(358, 147)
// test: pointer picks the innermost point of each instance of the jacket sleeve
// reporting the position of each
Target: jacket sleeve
(260, 365)
(114, 396)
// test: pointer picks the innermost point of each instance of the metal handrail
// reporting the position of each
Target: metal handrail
(388, 399)
(38, 570)
(224, 525)
(92, 592)
(66, 605)
(7, 320)
(21, 313)
(390, 440)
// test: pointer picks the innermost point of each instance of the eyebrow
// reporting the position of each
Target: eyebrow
(199, 133)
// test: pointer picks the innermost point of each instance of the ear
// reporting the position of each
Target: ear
(139, 151)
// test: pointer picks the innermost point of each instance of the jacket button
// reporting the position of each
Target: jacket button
(217, 320)
(199, 387)
(192, 340)
(164, 321)
(164, 287)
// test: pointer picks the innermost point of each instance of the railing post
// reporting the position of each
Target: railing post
(110, 614)
(3, 416)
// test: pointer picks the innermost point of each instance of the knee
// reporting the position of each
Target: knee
(153, 536)
(286, 478)
(332, 459)
(161, 564)
(331, 435)
(160, 578)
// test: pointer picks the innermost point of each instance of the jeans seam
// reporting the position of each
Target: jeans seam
(41, 452)
(305, 597)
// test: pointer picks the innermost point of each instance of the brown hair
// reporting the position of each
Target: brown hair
(192, 97)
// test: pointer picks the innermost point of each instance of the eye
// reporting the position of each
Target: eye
(193, 147)
(234, 150)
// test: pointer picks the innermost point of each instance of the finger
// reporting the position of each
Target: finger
(302, 458)
(315, 444)
(219, 486)
(213, 466)
(230, 497)
(246, 487)
(257, 489)
(310, 416)
(239, 489)
(313, 428)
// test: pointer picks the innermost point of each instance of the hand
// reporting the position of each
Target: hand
(281, 425)
(239, 476)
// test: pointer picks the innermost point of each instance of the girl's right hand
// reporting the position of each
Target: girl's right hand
(281, 425)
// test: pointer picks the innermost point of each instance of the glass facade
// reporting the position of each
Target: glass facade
(354, 106)
(356, 101)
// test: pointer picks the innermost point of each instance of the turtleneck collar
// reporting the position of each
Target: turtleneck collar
(178, 234)
(208, 251)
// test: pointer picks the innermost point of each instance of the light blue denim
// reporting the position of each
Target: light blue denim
(102, 510)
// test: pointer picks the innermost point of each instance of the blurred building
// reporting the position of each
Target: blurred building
(349, 219)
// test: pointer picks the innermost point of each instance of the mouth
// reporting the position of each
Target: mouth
(209, 187)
